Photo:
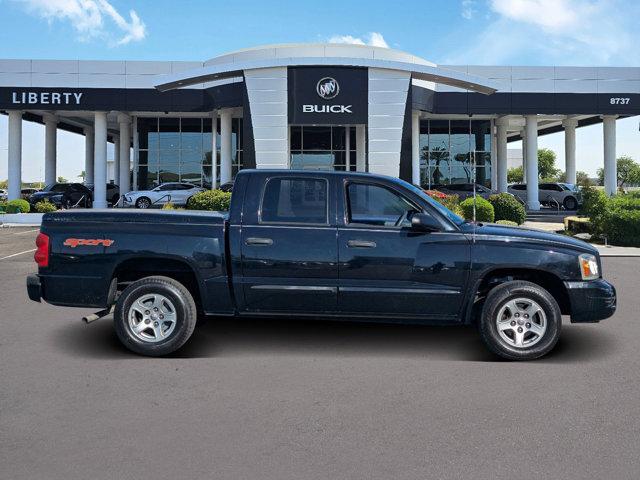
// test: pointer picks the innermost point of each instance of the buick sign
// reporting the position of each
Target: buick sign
(328, 88)
(327, 95)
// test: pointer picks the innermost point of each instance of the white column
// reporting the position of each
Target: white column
(415, 148)
(116, 159)
(570, 125)
(494, 156)
(14, 154)
(136, 154)
(125, 154)
(225, 146)
(501, 152)
(100, 161)
(531, 127)
(50, 132)
(347, 147)
(610, 167)
(361, 149)
(88, 154)
(523, 135)
(214, 149)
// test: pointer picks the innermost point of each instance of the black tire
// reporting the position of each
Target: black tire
(570, 203)
(143, 202)
(186, 315)
(505, 293)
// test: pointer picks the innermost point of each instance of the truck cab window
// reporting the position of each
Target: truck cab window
(378, 206)
(295, 200)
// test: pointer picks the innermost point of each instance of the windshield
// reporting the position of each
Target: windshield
(569, 186)
(458, 220)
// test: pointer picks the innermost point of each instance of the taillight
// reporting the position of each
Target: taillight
(42, 252)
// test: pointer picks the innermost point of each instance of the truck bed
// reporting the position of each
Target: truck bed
(90, 249)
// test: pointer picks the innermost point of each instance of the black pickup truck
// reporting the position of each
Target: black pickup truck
(319, 244)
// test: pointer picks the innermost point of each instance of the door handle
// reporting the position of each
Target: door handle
(260, 242)
(361, 244)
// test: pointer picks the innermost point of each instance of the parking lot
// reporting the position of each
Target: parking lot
(275, 399)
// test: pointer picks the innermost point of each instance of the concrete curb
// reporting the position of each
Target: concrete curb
(21, 219)
(613, 251)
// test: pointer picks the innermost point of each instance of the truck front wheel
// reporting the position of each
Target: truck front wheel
(155, 316)
(520, 321)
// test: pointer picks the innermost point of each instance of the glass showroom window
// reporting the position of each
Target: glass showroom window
(451, 148)
(179, 149)
(322, 148)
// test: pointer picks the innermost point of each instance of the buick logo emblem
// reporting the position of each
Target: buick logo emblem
(327, 88)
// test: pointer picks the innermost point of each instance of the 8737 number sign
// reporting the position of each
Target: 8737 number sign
(619, 100)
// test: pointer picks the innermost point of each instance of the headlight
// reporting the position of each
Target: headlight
(588, 266)
(57, 198)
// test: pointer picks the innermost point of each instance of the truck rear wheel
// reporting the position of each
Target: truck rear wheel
(155, 316)
(520, 321)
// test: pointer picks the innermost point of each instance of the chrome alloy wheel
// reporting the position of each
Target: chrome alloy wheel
(152, 318)
(521, 322)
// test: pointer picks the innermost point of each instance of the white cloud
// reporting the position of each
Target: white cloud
(91, 19)
(576, 32)
(373, 39)
(468, 9)
(552, 14)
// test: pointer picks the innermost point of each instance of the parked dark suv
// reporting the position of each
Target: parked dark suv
(64, 195)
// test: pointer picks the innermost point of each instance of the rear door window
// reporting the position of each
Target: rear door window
(295, 200)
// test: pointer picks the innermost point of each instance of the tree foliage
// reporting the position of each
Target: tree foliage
(628, 172)
(515, 175)
(547, 164)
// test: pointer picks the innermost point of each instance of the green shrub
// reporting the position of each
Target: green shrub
(45, 206)
(171, 206)
(509, 223)
(3, 206)
(484, 210)
(622, 226)
(507, 207)
(452, 202)
(214, 200)
(626, 202)
(594, 206)
(18, 206)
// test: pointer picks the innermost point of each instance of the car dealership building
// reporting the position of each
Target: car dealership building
(310, 106)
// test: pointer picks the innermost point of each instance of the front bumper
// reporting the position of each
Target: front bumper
(34, 288)
(591, 301)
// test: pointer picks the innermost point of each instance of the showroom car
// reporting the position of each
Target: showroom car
(558, 194)
(176, 193)
(64, 195)
(113, 192)
(464, 190)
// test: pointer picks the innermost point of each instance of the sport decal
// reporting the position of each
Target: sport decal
(89, 242)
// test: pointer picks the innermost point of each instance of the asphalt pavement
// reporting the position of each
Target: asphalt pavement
(276, 399)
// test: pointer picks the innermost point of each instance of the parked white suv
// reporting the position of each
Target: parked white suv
(176, 193)
(565, 195)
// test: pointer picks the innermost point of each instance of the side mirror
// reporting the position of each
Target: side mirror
(424, 223)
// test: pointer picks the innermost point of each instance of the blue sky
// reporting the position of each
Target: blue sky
(488, 32)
